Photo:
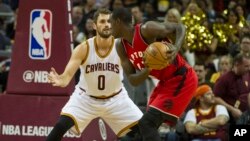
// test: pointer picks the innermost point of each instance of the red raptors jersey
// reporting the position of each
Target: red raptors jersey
(135, 54)
(178, 81)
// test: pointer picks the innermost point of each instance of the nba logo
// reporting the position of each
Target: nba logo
(40, 34)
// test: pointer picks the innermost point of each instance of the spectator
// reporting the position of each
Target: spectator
(201, 72)
(207, 120)
(224, 65)
(88, 31)
(150, 13)
(89, 8)
(75, 31)
(241, 11)
(137, 14)
(245, 49)
(114, 4)
(232, 88)
(245, 44)
(233, 29)
(77, 14)
(173, 15)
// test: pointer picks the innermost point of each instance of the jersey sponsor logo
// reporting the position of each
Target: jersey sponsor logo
(36, 76)
(40, 34)
(102, 129)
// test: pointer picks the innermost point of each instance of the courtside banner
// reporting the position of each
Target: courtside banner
(43, 40)
(31, 118)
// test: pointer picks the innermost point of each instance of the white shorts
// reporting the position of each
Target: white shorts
(119, 111)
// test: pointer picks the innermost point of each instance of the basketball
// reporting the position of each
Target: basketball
(154, 56)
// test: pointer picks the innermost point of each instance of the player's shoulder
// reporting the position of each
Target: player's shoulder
(151, 29)
(89, 42)
(150, 24)
(82, 46)
(117, 42)
(120, 48)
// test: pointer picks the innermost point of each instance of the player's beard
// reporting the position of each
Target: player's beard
(104, 34)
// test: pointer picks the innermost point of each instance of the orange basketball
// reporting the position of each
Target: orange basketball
(154, 56)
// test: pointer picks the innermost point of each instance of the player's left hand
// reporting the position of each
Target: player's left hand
(171, 52)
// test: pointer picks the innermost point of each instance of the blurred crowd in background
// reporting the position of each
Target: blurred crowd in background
(217, 32)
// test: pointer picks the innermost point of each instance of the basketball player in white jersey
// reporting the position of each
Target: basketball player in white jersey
(100, 91)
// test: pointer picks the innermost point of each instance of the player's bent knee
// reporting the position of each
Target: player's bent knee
(146, 122)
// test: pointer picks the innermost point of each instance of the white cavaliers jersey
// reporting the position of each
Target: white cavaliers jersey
(101, 75)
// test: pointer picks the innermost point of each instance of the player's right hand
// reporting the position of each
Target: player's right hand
(54, 78)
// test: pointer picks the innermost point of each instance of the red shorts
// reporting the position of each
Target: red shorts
(166, 91)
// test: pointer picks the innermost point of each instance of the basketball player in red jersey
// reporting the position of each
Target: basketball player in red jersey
(177, 82)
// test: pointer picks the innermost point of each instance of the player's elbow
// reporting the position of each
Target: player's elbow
(134, 83)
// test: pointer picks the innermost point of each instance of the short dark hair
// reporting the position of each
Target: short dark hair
(100, 11)
(199, 63)
(239, 58)
(124, 14)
